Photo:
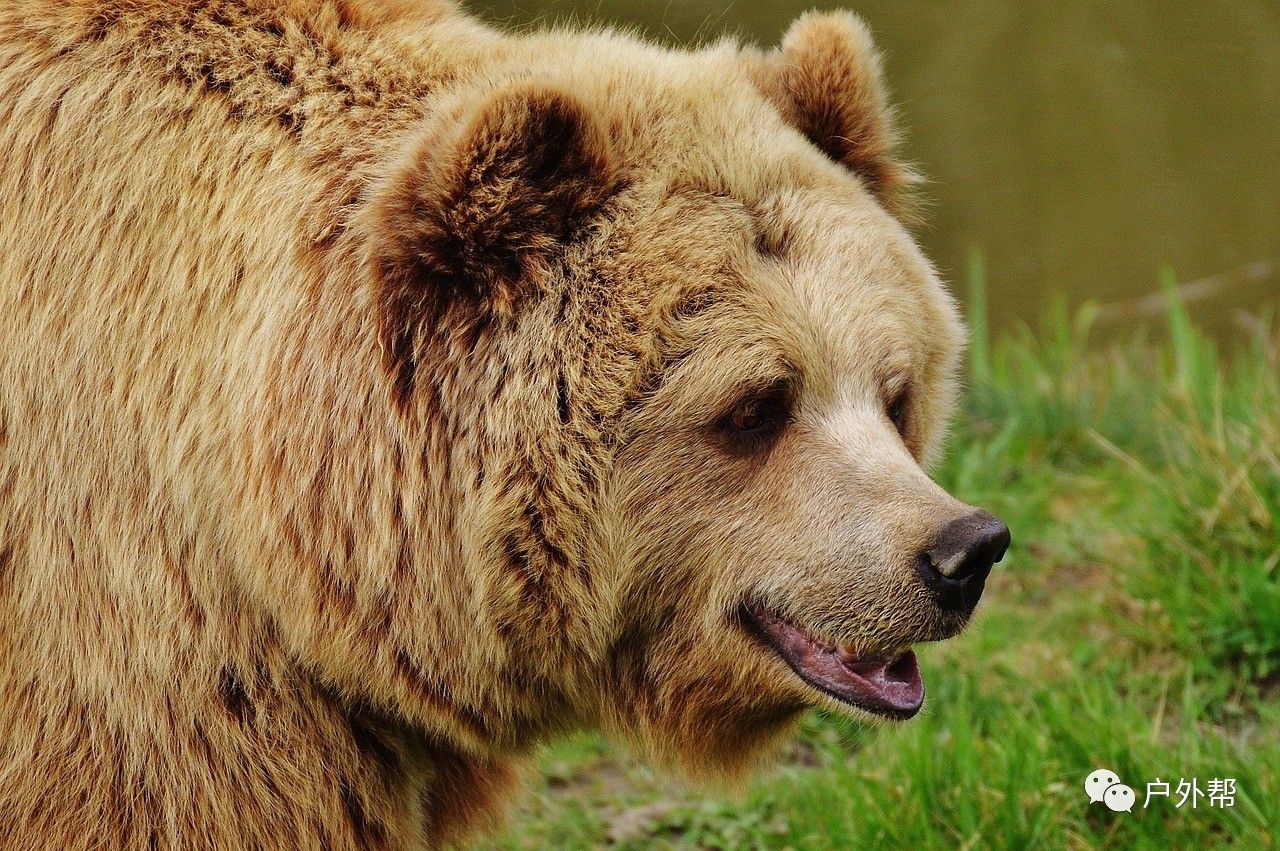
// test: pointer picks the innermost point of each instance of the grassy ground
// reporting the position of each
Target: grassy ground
(1135, 625)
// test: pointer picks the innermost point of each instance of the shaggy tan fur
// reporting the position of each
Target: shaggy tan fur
(359, 373)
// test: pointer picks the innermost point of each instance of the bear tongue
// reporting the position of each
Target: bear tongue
(884, 685)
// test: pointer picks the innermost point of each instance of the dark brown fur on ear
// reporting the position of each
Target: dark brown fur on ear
(826, 81)
(479, 208)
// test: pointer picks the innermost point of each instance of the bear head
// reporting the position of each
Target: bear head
(659, 317)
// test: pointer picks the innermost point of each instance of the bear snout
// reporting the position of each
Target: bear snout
(956, 564)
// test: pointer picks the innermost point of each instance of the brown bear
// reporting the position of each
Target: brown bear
(381, 395)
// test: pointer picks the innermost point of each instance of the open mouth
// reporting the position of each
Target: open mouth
(883, 684)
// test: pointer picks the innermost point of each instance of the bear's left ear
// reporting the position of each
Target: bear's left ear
(481, 202)
(826, 81)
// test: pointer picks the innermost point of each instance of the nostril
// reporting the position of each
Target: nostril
(956, 566)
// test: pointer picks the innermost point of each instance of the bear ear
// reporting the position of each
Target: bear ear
(481, 203)
(826, 81)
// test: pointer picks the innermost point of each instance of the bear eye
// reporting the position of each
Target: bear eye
(899, 410)
(755, 422)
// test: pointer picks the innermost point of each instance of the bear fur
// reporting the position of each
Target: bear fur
(363, 385)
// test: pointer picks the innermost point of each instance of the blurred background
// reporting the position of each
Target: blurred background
(1081, 147)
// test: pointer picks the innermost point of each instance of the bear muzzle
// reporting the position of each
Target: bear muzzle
(885, 680)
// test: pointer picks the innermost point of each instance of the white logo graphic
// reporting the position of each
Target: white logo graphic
(1104, 787)
(1119, 798)
(1097, 783)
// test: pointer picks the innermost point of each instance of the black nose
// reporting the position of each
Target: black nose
(956, 565)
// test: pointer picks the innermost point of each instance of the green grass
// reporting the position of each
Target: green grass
(1135, 625)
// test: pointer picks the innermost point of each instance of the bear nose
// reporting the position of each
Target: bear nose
(956, 565)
